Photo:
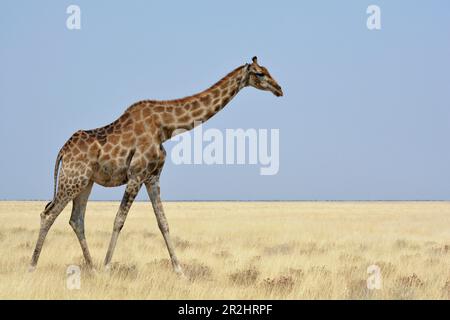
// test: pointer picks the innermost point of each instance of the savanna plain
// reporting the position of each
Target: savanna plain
(236, 250)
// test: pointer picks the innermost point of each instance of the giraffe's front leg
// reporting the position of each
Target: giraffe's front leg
(131, 191)
(154, 193)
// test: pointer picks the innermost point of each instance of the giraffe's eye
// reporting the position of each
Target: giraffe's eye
(260, 75)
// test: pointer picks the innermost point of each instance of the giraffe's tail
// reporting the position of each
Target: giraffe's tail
(55, 177)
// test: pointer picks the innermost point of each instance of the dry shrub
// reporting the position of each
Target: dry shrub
(124, 270)
(320, 271)
(283, 284)
(284, 248)
(193, 270)
(386, 268)
(432, 261)
(357, 289)
(196, 271)
(222, 254)
(401, 244)
(363, 247)
(348, 271)
(296, 273)
(160, 264)
(6, 267)
(406, 286)
(24, 260)
(310, 248)
(405, 244)
(440, 250)
(244, 277)
(347, 257)
(25, 245)
(180, 243)
(255, 259)
(412, 281)
(19, 230)
(446, 290)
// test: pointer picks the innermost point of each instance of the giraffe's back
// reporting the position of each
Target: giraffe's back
(105, 154)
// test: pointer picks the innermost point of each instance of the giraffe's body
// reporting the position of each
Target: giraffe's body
(130, 151)
(135, 139)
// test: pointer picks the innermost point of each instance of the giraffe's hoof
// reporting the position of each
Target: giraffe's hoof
(91, 270)
(31, 268)
(179, 272)
(107, 267)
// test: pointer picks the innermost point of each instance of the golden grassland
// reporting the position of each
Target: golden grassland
(236, 250)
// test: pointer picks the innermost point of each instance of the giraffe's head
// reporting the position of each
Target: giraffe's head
(260, 78)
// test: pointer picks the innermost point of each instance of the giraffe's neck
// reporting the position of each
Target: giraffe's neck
(194, 110)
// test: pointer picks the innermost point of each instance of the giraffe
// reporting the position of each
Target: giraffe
(130, 151)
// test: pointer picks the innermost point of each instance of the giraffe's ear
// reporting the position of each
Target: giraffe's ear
(255, 60)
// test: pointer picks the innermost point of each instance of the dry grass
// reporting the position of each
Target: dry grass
(306, 250)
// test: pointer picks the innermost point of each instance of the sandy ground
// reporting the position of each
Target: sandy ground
(247, 250)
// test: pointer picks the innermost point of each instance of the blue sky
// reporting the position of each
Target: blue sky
(365, 116)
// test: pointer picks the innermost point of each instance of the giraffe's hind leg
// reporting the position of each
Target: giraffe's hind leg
(48, 217)
(77, 221)
(67, 190)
